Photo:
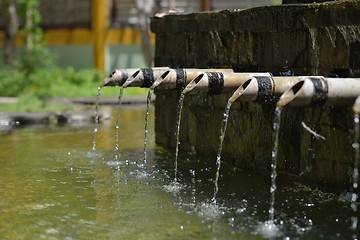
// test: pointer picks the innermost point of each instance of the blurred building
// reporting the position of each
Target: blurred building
(105, 33)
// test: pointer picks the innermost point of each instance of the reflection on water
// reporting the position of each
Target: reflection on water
(53, 186)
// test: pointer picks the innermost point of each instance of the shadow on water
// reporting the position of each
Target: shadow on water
(53, 186)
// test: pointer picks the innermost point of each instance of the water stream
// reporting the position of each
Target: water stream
(98, 95)
(218, 157)
(269, 228)
(148, 100)
(355, 178)
(177, 132)
(117, 123)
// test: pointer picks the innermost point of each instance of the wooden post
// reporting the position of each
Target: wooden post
(206, 5)
(99, 28)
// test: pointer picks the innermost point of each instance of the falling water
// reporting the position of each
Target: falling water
(193, 190)
(355, 177)
(146, 123)
(218, 157)
(269, 229)
(117, 124)
(96, 117)
(179, 108)
(276, 127)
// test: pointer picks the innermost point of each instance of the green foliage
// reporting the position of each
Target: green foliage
(49, 82)
(57, 82)
(12, 82)
(30, 103)
(36, 55)
(70, 83)
(35, 77)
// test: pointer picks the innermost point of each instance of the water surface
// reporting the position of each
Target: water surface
(53, 186)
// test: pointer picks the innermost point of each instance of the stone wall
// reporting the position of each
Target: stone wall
(316, 39)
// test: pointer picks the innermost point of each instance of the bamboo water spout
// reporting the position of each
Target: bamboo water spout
(263, 88)
(133, 76)
(321, 91)
(146, 77)
(180, 77)
(118, 77)
(215, 83)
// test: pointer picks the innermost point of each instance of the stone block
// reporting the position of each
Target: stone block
(315, 39)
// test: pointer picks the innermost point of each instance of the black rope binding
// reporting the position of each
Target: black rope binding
(265, 88)
(216, 82)
(148, 77)
(321, 90)
(180, 79)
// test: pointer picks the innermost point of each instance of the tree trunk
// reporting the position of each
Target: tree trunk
(11, 29)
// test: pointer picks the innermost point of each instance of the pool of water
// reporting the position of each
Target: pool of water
(53, 186)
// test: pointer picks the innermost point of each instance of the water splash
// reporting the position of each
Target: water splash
(355, 177)
(146, 124)
(221, 138)
(98, 95)
(173, 187)
(209, 210)
(117, 124)
(177, 143)
(268, 230)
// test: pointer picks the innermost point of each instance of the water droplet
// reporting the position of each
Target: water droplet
(240, 210)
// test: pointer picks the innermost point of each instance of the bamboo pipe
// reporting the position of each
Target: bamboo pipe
(321, 91)
(174, 78)
(118, 77)
(169, 79)
(215, 83)
(247, 91)
(146, 77)
(262, 88)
